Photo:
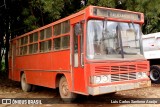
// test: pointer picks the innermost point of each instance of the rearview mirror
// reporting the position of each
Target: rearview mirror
(78, 29)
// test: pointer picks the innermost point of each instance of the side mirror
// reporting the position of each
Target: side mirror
(78, 29)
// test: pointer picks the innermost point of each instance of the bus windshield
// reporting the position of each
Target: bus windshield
(113, 40)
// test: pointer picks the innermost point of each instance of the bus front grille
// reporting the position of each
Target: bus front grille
(121, 72)
(123, 76)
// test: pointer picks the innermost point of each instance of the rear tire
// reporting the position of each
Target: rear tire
(65, 94)
(155, 74)
(24, 85)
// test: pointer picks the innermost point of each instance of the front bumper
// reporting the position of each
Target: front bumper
(118, 87)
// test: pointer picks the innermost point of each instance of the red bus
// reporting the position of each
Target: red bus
(95, 51)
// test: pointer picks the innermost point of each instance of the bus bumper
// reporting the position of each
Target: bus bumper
(118, 87)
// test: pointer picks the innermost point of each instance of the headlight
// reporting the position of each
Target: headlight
(141, 75)
(104, 78)
(97, 79)
(100, 79)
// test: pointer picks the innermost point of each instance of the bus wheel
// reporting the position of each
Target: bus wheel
(24, 85)
(155, 74)
(65, 94)
(111, 94)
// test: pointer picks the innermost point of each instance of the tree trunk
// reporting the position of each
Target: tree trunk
(0, 56)
(1, 42)
(7, 44)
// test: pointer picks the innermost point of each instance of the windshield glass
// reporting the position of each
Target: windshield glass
(109, 40)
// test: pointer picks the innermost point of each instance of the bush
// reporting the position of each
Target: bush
(2, 66)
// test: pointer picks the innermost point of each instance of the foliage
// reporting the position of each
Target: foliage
(20, 16)
(40, 12)
(150, 8)
(104, 3)
(151, 11)
(2, 69)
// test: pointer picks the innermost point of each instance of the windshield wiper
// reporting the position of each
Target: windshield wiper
(120, 40)
(104, 31)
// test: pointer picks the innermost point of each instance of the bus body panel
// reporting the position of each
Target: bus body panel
(46, 68)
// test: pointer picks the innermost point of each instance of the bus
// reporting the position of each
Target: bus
(95, 51)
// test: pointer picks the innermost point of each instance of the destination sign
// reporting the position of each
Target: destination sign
(116, 14)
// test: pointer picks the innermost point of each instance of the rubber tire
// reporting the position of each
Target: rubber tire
(34, 88)
(65, 94)
(111, 94)
(155, 68)
(24, 85)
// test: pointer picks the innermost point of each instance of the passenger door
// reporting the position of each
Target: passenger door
(78, 74)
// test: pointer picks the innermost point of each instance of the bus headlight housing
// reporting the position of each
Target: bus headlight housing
(141, 75)
(100, 79)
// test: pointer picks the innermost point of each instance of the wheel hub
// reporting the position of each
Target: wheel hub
(65, 89)
(155, 75)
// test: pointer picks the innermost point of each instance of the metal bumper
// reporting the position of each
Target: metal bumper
(118, 87)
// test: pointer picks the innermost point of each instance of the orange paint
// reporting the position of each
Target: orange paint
(42, 68)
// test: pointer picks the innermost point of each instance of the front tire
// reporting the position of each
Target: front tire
(65, 94)
(155, 74)
(24, 85)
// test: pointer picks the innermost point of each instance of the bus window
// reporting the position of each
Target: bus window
(57, 43)
(65, 42)
(33, 48)
(57, 29)
(75, 44)
(46, 33)
(34, 37)
(23, 50)
(45, 46)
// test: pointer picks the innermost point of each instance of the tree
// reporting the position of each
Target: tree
(8, 23)
(104, 3)
(150, 8)
(38, 13)
(20, 16)
(151, 11)
(2, 31)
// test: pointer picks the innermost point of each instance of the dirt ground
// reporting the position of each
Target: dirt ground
(11, 89)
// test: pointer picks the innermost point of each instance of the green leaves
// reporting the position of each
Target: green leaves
(31, 20)
(37, 13)
(53, 8)
(104, 3)
(40, 12)
(151, 11)
(2, 67)
(150, 8)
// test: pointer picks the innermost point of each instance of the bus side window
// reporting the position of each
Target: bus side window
(75, 45)
(75, 40)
